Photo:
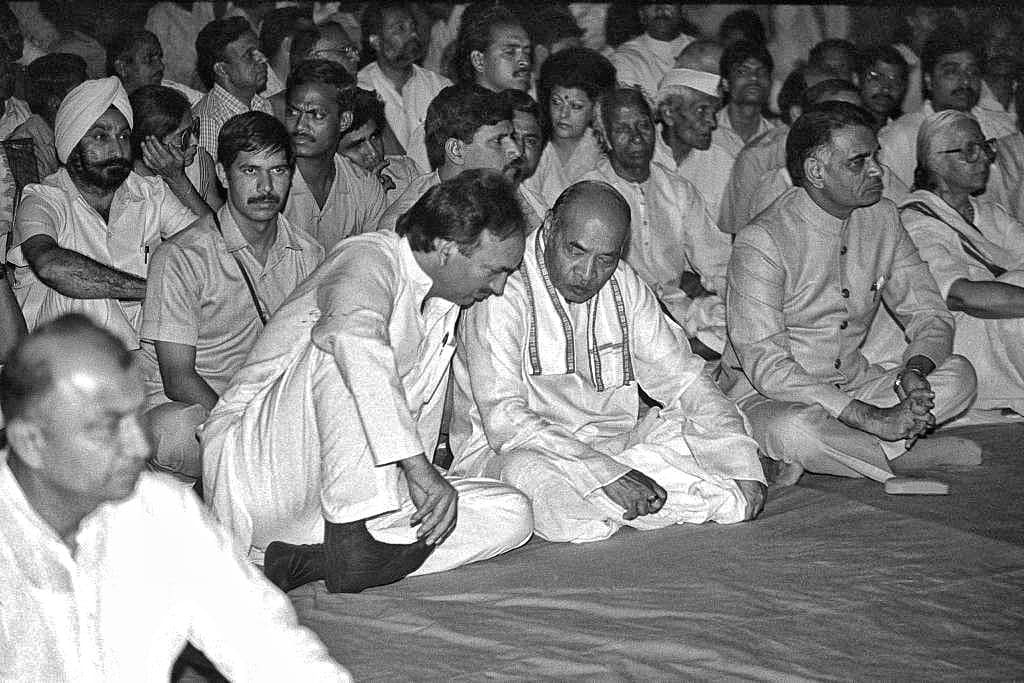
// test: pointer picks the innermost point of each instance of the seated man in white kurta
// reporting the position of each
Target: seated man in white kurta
(323, 437)
(547, 381)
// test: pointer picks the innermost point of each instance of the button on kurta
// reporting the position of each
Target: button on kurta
(838, 363)
(842, 250)
(845, 293)
(843, 325)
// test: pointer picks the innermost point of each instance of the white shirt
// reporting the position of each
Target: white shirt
(143, 213)
(149, 573)
(552, 176)
(644, 61)
(898, 140)
(671, 229)
(726, 136)
(405, 110)
(708, 169)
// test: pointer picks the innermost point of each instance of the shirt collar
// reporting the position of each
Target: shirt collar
(419, 281)
(235, 240)
(816, 216)
(130, 190)
(230, 100)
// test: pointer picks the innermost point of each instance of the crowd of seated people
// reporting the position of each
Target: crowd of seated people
(347, 294)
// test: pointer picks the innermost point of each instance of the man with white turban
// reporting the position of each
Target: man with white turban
(83, 237)
(687, 104)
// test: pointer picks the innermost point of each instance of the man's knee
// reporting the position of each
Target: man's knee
(176, 447)
(789, 434)
(958, 376)
(505, 511)
(526, 470)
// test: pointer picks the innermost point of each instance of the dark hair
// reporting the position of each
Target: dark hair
(791, 92)
(517, 100)
(739, 52)
(830, 86)
(124, 44)
(52, 76)
(458, 112)
(252, 132)
(461, 208)
(280, 23)
(814, 129)
(212, 42)
(303, 42)
(576, 67)
(747, 22)
(816, 57)
(947, 39)
(548, 23)
(475, 36)
(366, 106)
(320, 72)
(28, 375)
(157, 110)
(886, 54)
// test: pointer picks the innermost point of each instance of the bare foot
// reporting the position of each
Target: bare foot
(936, 451)
(781, 473)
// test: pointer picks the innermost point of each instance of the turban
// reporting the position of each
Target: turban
(934, 125)
(82, 107)
(676, 79)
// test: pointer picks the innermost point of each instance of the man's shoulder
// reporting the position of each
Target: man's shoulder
(904, 126)
(431, 79)
(201, 236)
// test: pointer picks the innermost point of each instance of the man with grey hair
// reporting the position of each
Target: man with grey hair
(703, 54)
(106, 570)
(688, 102)
(547, 384)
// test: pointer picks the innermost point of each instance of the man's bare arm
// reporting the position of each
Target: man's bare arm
(178, 372)
(986, 299)
(77, 276)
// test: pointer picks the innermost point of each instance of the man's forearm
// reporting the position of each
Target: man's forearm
(986, 299)
(189, 387)
(188, 195)
(79, 277)
(859, 415)
(921, 364)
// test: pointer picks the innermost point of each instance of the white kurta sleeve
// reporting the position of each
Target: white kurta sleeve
(672, 374)
(492, 336)
(357, 302)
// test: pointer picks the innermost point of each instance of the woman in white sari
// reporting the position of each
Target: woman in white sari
(975, 251)
(570, 83)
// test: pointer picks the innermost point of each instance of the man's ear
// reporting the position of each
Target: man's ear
(345, 121)
(222, 174)
(445, 249)
(27, 441)
(814, 171)
(218, 70)
(667, 114)
(373, 41)
(476, 59)
(453, 151)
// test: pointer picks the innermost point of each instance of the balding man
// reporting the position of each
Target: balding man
(547, 380)
(105, 570)
(83, 238)
(703, 54)
(807, 277)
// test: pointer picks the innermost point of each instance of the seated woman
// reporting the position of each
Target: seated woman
(975, 251)
(570, 83)
(165, 141)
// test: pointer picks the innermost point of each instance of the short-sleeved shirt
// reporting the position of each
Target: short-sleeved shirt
(143, 213)
(216, 107)
(196, 294)
(353, 206)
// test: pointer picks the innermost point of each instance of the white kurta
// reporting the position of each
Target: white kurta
(992, 345)
(708, 169)
(552, 176)
(643, 61)
(547, 398)
(405, 110)
(347, 379)
(150, 573)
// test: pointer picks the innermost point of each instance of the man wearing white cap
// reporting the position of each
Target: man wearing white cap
(83, 237)
(687, 104)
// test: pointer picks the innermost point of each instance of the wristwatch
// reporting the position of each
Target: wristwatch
(897, 386)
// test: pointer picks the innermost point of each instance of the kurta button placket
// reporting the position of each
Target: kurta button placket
(843, 325)
(845, 293)
(838, 363)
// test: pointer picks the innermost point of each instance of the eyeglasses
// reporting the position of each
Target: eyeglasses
(349, 52)
(972, 150)
(184, 138)
(885, 79)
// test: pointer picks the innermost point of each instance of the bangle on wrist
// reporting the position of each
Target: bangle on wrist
(897, 386)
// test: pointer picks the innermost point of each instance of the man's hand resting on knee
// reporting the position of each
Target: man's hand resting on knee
(755, 493)
(636, 492)
(435, 499)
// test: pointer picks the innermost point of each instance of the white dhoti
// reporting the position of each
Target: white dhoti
(565, 511)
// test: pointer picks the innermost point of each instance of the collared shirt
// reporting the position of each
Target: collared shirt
(898, 140)
(552, 176)
(216, 107)
(16, 112)
(192, 95)
(416, 188)
(726, 136)
(354, 204)
(757, 158)
(405, 110)
(804, 287)
(274, 84)
(507, 402)
(149, 573)
(143, 213)
(708, 169)
(671, 229)
(196, 295)
(644, 61)
(366, 311)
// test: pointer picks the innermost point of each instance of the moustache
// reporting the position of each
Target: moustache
(120, 164)
(965, 92)
(264, 198)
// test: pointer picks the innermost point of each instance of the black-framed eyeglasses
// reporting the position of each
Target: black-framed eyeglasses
(972, 150)
(348, 52)
(878, 77)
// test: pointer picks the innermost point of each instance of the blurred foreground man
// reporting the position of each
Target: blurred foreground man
(547, 384)
(106, 570)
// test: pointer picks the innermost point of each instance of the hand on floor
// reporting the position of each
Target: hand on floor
(637, 493)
